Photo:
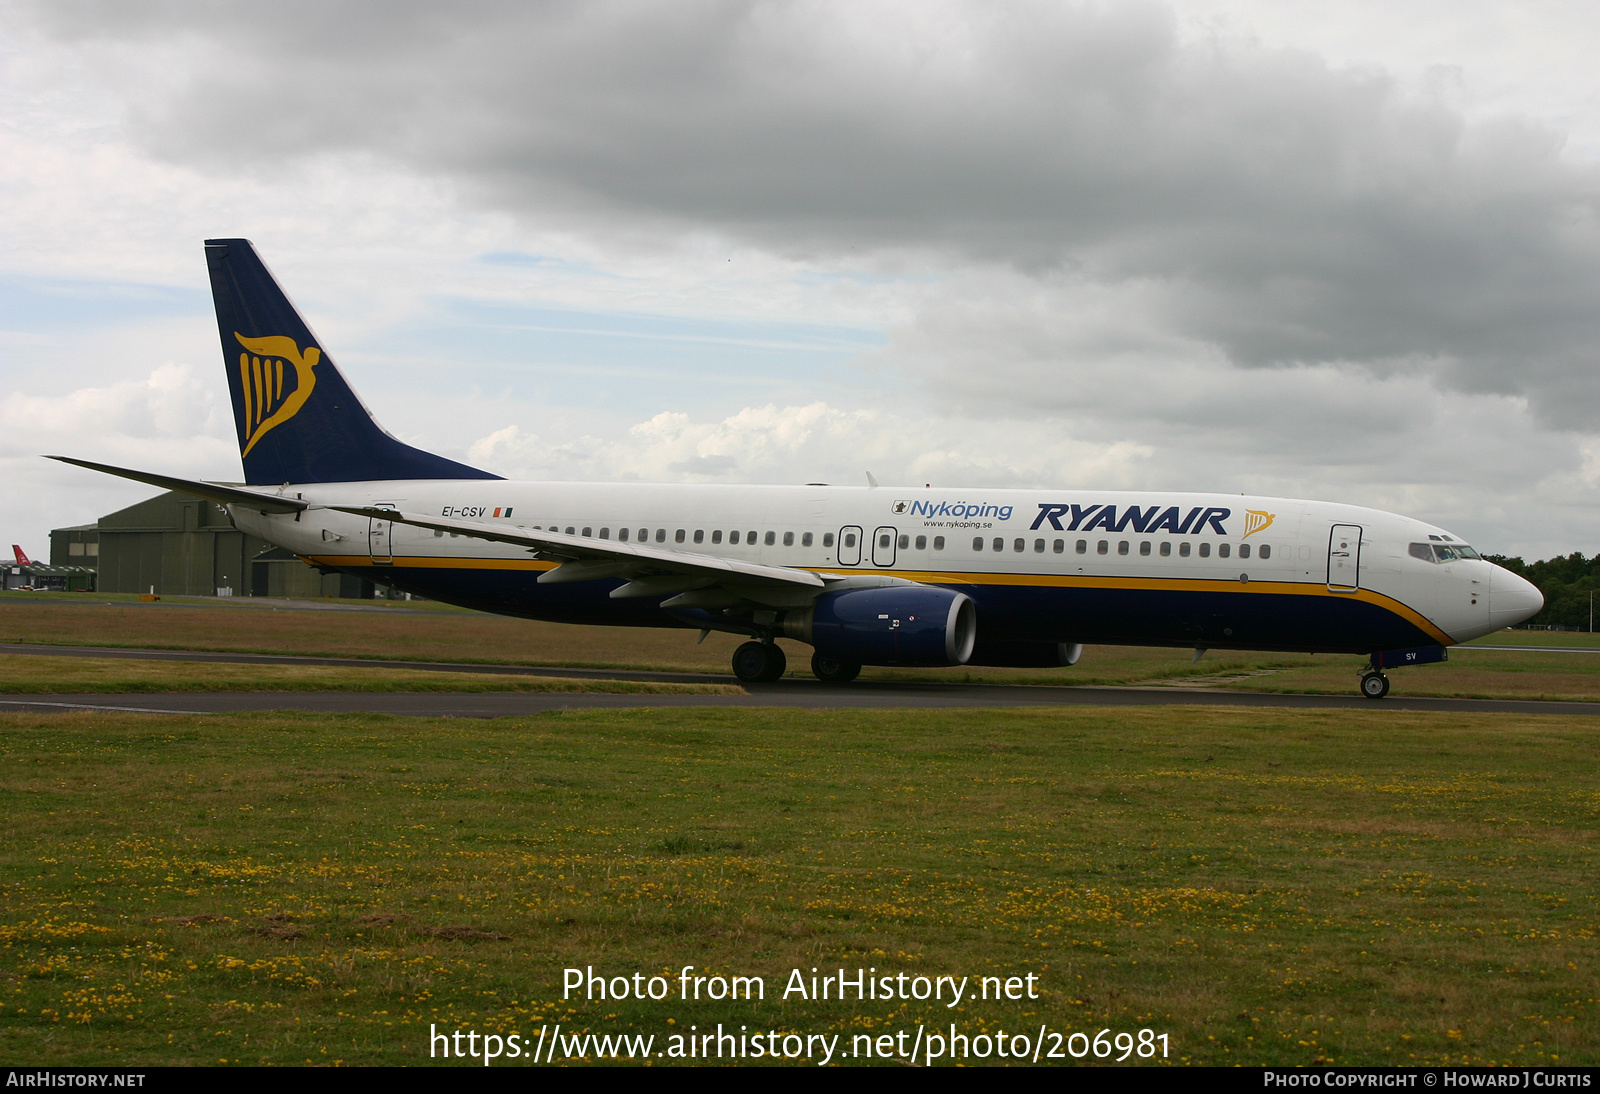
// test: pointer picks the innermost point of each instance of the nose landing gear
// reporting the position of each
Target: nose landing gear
(1374, 685)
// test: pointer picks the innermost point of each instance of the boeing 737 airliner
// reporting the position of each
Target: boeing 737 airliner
(864, 575)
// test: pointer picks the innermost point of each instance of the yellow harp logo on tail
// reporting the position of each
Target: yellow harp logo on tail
(1255, 521)
(261, 372)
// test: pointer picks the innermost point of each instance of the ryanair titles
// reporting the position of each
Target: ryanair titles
(1155, 518)
(1066, 517)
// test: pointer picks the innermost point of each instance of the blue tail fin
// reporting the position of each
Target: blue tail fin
(297, 418)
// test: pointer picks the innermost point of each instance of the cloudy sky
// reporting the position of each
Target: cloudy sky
(1346, 251)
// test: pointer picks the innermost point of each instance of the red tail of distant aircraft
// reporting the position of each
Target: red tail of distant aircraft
(22, 559)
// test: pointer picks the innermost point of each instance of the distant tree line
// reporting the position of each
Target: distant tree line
(1565, 582)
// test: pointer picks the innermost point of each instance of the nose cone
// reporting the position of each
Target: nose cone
(1511, 599)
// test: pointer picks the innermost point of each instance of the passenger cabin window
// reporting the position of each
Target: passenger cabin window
(883, 540)
(585, 531)
(1144, 547)
(1224, 550)
(716, 536)
(805, 539)
(788, 539)
(849, 539)
(622, 534)
(977, 543)
(1038, 546)
(588, 532)
(1266, 550)
(999, 544)
(772, 538)
(1183, 550)
(905, 541)
(938, 543)
(644, 535)
(922, 543)
(677, 537)
(699, 535)
(1102, 547)
(1082, 547)
(605, 533)
(1122, 547)
(1244, 550)
(827, 539)
(1019, 545)
(1205, 550)
(1166, 548)
(1059, 546)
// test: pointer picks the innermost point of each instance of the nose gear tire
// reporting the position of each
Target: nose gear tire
(1374, 685)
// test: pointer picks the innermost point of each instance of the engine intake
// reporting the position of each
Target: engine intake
(895, 625)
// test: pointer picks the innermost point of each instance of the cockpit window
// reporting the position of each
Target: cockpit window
(1441, 552)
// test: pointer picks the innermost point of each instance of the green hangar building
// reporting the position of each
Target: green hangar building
(180, 545)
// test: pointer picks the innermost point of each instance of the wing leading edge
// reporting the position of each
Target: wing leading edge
(650, 571)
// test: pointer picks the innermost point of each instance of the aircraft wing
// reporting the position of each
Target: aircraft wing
(212, 491)
(583, 558)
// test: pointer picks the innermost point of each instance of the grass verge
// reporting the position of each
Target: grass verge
(1281, 887)
(30, 675)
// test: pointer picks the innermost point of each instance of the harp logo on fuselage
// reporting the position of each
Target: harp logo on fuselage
(1256, 521)
(272, 393)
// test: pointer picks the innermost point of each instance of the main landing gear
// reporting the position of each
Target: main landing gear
(764, 662)
(1374, 685)
(758, 662)
(830, 671)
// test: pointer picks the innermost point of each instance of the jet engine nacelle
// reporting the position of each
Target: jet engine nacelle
(894, 625)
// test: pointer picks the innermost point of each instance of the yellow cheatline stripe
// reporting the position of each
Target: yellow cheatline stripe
(944, 577)
(423, 562)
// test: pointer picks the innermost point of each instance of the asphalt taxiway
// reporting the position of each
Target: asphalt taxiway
(796, 692)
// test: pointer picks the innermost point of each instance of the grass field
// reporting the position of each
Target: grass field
(1262, 886)
(440, 633)
(28, 674)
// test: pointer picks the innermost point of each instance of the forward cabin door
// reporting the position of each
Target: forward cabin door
(379, 533)
(1344, 558)
(850, 545)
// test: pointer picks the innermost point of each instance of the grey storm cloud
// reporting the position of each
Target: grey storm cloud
(1252, 200)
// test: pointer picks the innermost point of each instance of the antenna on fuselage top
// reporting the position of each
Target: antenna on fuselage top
(872, 483)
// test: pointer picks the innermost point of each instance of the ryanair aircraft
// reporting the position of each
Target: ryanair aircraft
(864, 575)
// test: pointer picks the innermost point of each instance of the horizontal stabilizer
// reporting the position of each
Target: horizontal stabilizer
(212, 491)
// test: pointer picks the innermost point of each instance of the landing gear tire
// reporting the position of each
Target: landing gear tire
(758, 662)
(1374, 685)
(830, 671)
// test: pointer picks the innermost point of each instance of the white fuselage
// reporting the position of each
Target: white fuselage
(1215, 570)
